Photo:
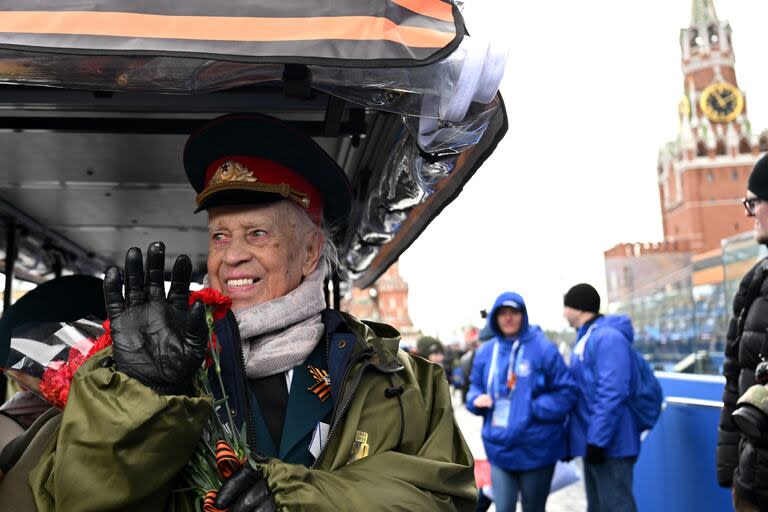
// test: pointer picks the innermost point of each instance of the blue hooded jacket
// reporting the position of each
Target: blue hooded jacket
(602, 365)
(543, 395)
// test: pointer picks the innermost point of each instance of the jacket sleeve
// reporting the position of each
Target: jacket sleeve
(613, 372)
(119, 446)
(477, 381)
(559, 396)
(436, 474)
(728, 436)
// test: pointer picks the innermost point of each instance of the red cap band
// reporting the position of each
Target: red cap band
(261, 172)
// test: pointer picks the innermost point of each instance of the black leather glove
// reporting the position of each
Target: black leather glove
(595, 454)
(246, 491)
(159, 342)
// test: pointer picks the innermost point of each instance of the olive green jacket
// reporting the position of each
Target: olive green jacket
(120, 445)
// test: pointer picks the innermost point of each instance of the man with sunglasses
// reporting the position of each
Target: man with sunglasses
(742, 462)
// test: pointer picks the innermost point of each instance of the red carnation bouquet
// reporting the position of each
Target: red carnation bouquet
(45, 356)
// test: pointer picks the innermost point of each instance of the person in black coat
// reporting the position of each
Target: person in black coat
(742, 463)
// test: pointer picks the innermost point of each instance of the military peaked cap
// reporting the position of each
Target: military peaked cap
(241, 159)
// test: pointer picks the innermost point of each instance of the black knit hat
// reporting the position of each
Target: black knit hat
(583, 297)
(758, 180)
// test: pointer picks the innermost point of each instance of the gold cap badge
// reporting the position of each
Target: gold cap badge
(232, 171)
(234, 175)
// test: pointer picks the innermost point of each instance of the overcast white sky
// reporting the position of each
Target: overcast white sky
(591, 90)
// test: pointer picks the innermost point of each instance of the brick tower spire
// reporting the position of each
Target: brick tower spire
(703, 173)
(703, 12)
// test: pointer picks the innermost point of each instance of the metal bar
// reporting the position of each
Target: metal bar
(58, 266)
(678, 400)
(30, 100)
(23, 275)
(690, 377)
(88, 260)
(333, 116)
(336, 291)
(143, 125)
(327, 292)
(10, 260)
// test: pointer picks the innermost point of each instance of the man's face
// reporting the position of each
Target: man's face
(259, 253)
(761, 218)
(509, 321)
(572, 316)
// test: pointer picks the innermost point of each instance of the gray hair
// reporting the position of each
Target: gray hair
(329, 253)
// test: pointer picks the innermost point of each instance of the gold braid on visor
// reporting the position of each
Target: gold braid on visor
(235, 176)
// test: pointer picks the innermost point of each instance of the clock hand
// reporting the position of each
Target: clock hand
(720, 100)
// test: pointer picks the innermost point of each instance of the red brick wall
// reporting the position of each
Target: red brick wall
(711, 208)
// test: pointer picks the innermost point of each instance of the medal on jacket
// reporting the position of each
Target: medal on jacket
(511, 381)
(359, 447)
(322, 385)
(511, 375)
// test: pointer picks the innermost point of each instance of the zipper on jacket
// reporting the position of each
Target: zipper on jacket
(250, 431)
(338, 412)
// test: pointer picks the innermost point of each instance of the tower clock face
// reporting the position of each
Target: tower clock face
(721, 102)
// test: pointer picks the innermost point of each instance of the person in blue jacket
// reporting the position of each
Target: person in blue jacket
(524, 391)
(602, 428)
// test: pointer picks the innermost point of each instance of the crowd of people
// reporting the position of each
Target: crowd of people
(537, 410)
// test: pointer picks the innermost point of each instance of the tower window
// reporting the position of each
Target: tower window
(693, 38)
(714, 37)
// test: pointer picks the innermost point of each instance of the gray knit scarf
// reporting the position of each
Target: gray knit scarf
(280, 334)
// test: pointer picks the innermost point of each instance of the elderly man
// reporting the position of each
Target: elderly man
(344, 420)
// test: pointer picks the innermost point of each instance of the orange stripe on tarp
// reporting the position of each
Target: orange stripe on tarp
(220, 28)
(432, 8)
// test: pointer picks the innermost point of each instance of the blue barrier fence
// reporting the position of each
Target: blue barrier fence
(676, 468)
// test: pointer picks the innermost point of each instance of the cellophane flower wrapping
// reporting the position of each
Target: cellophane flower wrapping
(44, 356)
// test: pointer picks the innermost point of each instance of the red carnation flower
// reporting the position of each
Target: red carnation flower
(55, 383)
(210, 297)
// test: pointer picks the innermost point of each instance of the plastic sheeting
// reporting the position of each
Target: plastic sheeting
(446, 107)
(456, 90)
(408, 179)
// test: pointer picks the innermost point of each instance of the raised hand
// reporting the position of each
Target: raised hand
(160, 342)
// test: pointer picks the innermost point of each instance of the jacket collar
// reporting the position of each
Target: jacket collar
(584, 328)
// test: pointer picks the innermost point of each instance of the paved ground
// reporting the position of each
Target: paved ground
(569, 499)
